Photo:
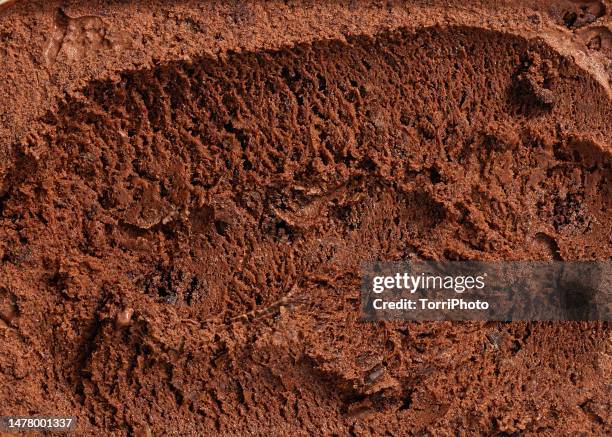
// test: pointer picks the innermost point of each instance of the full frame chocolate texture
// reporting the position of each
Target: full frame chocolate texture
(188, 189)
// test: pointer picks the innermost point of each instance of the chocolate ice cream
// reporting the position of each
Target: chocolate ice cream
(188, 190)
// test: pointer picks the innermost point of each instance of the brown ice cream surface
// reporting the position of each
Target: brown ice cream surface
(188, 190)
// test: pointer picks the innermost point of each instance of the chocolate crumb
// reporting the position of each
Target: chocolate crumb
(124, 318)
